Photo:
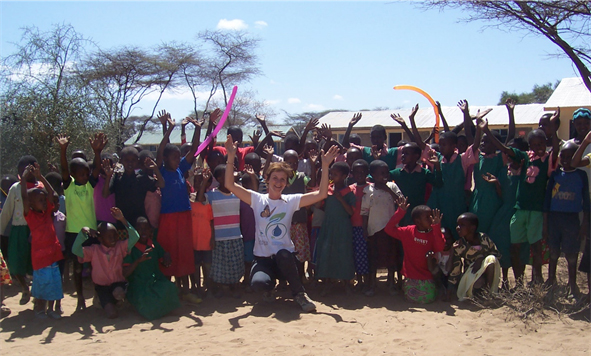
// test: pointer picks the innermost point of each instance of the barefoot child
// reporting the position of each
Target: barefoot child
(46, 250)
(360, 170)
(202, 219)
(107, 260)
(150, 292)
(479, 257)
(567, 195)
(420, 242)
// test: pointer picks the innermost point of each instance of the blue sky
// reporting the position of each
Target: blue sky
(322, 55)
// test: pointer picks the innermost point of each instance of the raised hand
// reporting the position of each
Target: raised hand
(185, 121)
(414, 111)
(313, 155)
(311, 125)
(555, 116)
(490, 178)
(63, 141)
(433, 158)
(355, 119)
(52, 167)
(215, 116)
(171, 123)
(436, 217)
(99, 141)
(402, 202)
(117, 214)
(163, 117)
(268, 150)
(326, 131)
(480, 115)
(256, 135)
(260, 118)
(150, 164)
(36, 171)
(145, 256)
(482, 124)
(27, 172)
(463, 105)
(438, 104)
(107, 168)
(397, 118)
(510, 104)
(330, 155)
(277, 134)
(231, 146)
(248, 169)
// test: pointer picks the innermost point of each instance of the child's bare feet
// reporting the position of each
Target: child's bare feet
(26, 297)
(81, 304)
(111, 311)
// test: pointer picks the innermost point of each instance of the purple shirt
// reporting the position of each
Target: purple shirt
(102, 206)
(247, 224)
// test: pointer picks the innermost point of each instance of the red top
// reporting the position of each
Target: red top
(240, 153)
(356, 219)
(45, 247)
(415, 245)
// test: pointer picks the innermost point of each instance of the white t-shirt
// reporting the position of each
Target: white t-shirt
(379, 206)
(272, 222)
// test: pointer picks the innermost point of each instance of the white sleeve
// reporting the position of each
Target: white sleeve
(365, 201)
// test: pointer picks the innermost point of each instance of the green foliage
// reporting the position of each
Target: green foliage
(538, 95)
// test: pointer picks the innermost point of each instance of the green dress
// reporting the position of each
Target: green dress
(149, 291)
(485, 200)
(413, 185)
(334, 246)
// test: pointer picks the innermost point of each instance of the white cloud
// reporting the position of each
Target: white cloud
(260, 24)
(236, 24)
(337, 97)
(272, 82)
(294, 101)
(272, 102)
(315, 107)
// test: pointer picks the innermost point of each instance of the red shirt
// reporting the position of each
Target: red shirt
(45, 247)
(415, 245)
(356, 219)
(240, 153)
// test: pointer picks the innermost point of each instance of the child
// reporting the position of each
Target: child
(480, 260)
(55, 179)
(352, 155)
(202, 218)
(79, 191)
(360, 170)
(567, 195)
(59, 224)
(175, 230)
(419, 241)
(528, 220)
(334, 246)
(377, 207)
(19, 247)
(412, 179)
(250, 181)
(46, 250)
(227, 264)
(103, 205)
(150, 292)
(107, 260)
(299, 229)
(153, 200)
(441, 263)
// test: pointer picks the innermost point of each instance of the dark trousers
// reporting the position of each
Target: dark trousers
(266, 270)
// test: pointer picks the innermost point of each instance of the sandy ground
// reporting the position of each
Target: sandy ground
(343, 324)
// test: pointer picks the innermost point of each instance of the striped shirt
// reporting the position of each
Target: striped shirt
(226, 215)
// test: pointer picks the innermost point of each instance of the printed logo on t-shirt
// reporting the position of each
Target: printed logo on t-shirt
(274, 229)
(266, 213)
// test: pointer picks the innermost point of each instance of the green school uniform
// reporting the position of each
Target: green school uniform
(485, 200)
(413, 186)
(530, 195)
(391, 157)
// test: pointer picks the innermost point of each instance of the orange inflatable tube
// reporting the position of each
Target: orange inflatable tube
(423, 93)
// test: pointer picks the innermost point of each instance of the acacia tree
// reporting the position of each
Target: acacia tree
(42, 95)
(565, 23)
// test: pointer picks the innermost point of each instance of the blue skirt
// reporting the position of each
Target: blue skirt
(47, 283)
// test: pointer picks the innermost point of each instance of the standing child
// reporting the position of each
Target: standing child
(79, 191)
(480, 260)
(420, 241)
(106, 259)
(150, 292)
(202, 218)
(19, 247)
(46, 250)
(567, 195)
(227, 263)
(175, 230)
(360, 170)
(334, 247)
(377, 207)
(59, 224)
(250, 181)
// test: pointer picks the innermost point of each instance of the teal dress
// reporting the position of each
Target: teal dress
(149, 291)
(449, 198)
(334, 246)
(414, 186)
(485, 200)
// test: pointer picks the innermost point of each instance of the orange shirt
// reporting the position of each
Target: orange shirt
(201, 216)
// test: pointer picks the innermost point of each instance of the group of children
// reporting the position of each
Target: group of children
(443, 218)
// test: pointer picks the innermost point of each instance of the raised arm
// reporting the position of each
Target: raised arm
(24, 193)
(261, 119)
(163, 118)
(498, 144)
(238, 190)
(322, 193)
(98, 143)
(478, 137)
(510, 104)
(400, 120)
(64, 141)
(163, 143)
(555, 140)
(578, 159)
(468, 125)
(443, 120)
(133, 235)
(190, 156)
(415, 130)
(354, 120)
(37, 173)
(311, 125)
(150, 164)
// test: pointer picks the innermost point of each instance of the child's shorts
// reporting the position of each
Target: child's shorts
(526, 226)
(563, 232)
(202, 257)
(47, 283)
(248, 251)
(105, 293)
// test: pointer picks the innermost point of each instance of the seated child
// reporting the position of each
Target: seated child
(479, 256)
(419, 242)
(45, 247)
(150, 292)
(107, 260)
(440, 263)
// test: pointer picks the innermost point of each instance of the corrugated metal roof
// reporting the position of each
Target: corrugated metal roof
(154, 138)
(527, 114)
(571, 92)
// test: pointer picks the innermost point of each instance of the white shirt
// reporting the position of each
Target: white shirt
(379, 206)
(272, 222)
